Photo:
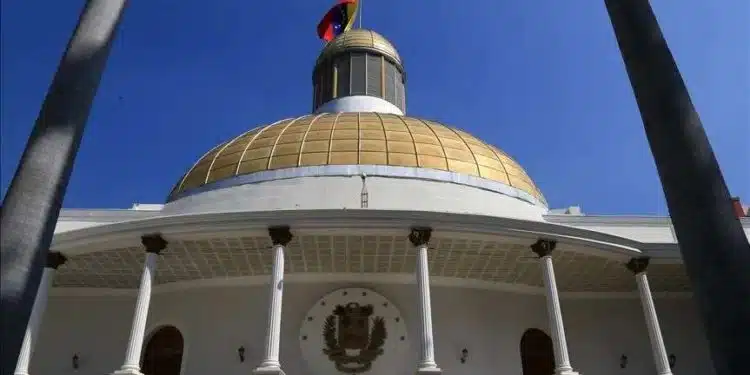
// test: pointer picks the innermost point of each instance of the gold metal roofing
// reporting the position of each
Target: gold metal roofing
(360, 39)
(356, 139)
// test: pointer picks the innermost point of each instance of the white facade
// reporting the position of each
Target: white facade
(486, 284)
(216, 321)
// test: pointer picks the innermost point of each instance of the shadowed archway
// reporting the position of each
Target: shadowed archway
(163, 353)
(537, 353)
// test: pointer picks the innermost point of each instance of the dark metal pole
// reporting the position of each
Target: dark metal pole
(32, 204)
(714, 248)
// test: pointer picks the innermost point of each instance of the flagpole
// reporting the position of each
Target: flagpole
(359, 9)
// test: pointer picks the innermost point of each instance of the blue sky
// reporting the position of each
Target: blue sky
(542, 80)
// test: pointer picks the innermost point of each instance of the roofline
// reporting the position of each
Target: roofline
(109, 215)
(647, 220)
(72, 242)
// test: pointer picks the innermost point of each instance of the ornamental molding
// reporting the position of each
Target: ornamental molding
(383, 279)
(361, 220)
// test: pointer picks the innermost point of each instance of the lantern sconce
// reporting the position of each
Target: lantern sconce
(241, 353)
(623, 361)
(672, 360)
(464, 355)
(75, 361)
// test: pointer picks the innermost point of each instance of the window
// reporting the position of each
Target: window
(344, 87)
(327, 84)
(399, 86)
(359, 80)
(390, 82)
(374, 75)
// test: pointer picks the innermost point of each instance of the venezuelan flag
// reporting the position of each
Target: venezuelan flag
(338, 19)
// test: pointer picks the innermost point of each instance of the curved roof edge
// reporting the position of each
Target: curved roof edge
(369, 171)
(72, 242)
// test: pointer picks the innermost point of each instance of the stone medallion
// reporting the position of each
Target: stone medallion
(354, 331)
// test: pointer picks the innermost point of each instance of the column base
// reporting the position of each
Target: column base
(429, 371)
(566, 372)
(127, 372)
(268, 370)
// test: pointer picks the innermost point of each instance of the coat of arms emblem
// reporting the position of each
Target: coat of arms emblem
(352, 339)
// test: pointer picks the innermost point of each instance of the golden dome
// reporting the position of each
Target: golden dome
(356, 139)
(360, 39)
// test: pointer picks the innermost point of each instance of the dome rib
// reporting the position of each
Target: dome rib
(178, 186)
(355, 139)
(411, 135)
(468, 148)
(330, 144)
(385, 135)
(281, 134)
(304, 138)
(250, 142)
(507, 174)
(218, 153)
(440, 141)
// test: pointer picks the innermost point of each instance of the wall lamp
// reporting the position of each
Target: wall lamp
(464, 355)
(75, 361)
(623, 361)
(241, 353)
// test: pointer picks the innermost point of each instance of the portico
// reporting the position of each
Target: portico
(455, 262)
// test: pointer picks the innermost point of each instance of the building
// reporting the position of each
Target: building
(358, 240)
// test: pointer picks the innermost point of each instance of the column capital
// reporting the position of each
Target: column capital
(280, 235)
(154, 243)
(55, 259)
(638, 265)
(543, 247)
(420, 236)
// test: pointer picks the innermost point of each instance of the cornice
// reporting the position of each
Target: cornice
(392, 279)
(648, 221)
(110, 235)
(618, 220)
(111, 215)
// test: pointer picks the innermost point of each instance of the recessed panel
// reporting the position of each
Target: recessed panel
(404, 160)
(435, 162)
(316, 146)
(460, 166)
(313, 158)
(372, 145)
(346, 157)
(283, 161)
(344, 145)
(401, 147)
(399, 136)
(286, 149)
(369, 157)
(493, 174)
(431, 150)
(257, 153)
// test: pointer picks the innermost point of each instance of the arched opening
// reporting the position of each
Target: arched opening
(163, 353)
(537, 354)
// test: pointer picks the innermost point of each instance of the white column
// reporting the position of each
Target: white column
(280, 237)
(638, 267)
(54, 260)
(154, 244)
(426, 365)
(543, 248)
